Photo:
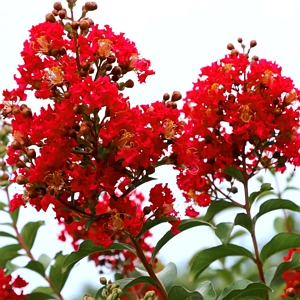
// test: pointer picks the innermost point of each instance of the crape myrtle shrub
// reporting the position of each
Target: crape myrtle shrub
(85, 154)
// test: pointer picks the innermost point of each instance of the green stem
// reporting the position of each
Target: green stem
(148, 268)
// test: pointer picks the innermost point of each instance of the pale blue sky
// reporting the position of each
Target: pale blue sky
(178, 37)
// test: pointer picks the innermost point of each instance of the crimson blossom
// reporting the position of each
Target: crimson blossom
(241, 113)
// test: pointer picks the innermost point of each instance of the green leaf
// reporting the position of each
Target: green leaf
(204, 258)
(40, 296)
(244, 289)
(57, 276)
(237, 234)
(243, 220)
(8, 253)
(10, 267)
(2, 205)
(152, 223)
(29, 232)
(274, 204)
(36, 267)
(265, 187)
(184, 225)
(207, 291)
(216, 207)
(178, 292)
(15, 215)
(223, 231)
(167, 276)
(281, 241)
(269, 275)
(6, 234)
(235, 173)
(45, 260)
(293, 264)
(87, 247)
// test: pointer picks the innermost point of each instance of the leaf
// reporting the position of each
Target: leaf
(281, 241)
(10, 267)
(223, 231)
(36, 267)
(207, 291)
(15, 215)
(293, 264)
(237, 234)
(87, 247)
(184, 225)
(8, 253)
(45, 260)
(40, 296)
(204, 258)
(6, 234)
(57, 276)
(167, 276)
(269, 275)
(178, 292)
(265, 187)
(274, 204)
(235, 173)
(2, 205)
(243, 220)
(244, 288)
(152, 223)
(29, 232)
(216, 207)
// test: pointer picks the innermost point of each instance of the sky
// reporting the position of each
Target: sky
(178, 37)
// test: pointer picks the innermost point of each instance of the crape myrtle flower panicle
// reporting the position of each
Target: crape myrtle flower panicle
(291, 277)
(85, 152)
(241, 113)
(10, 287)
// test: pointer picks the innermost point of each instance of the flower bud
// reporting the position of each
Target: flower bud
(290, 292)
(166, 97)
(253, 43)
(50, 18)
(75, 25)
(147, 210)
(91, 22)
(26, 112)
(62, 14)
(21, 179)
(85, 65)
(31, 154)
(277, 112)
(240, 40)
(116, 71)
(84, 25)
(129, 83)
(16, 145)
(176, 96)
(255, 58)
(67, 94)
(4, 176)
(20, 164)
(103, 280)
(62, 51)
(90, 6)
(57, 6)
(230, 46)
(111, 59)
(55, 12)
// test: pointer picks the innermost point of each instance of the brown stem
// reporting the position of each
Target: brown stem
(29, 254)
(253, 235)
(148, 267)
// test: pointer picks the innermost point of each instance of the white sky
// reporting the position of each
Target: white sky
(178, 37)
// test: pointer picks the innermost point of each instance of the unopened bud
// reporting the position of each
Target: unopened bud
(234, 52)
(85, 65)
(57, 6)
(277, 112)
(84, 25)
(31, 154)
(50, 18)
(62, 14)
(26, 112)
(20, 164)
(116, 71)
(90, 6)
(111, 59)
(230, 46)
(129, 83)
(253, 43)
(176, 96)
(21, 179)
(255, 58)
(16, 145)
(290, 292)
(91, 22)
(62, 51)
(147, 210)
(103, 280)
(240, 40)
(75, 25)
(166, 96)
(84, 130)
(4, 176)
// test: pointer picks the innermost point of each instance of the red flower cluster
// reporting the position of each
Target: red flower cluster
(8, 287)
(291, 277)
(88, 150)
(240, 113)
